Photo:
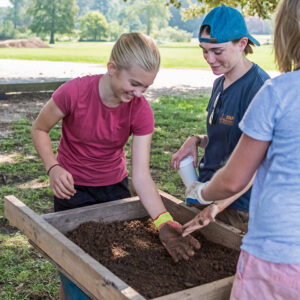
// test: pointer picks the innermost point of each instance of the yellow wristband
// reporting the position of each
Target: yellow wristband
(163, 218)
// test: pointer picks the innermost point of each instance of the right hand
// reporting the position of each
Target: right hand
(179, 247)
(189, 148)
(206, 215)
(61, 183)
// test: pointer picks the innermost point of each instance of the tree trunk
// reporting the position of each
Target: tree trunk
(148, 21)
(15, 13)
(52, 24)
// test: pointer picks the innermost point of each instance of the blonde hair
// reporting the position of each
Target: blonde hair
(287, 35)
(135, 48)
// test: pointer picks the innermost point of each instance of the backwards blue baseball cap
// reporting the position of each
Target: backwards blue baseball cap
(226, 24)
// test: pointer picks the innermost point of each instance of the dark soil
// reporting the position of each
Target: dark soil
(133, 252)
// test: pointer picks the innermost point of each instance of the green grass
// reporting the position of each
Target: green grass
(24, 273)
(174, 55)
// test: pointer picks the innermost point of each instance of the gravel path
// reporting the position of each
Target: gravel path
(22, 71)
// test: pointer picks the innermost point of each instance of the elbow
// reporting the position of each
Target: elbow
(140, 179)
(233, 185)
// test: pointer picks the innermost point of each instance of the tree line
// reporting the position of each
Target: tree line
(105, 20)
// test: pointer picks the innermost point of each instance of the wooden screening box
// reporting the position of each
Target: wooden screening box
(47, 231)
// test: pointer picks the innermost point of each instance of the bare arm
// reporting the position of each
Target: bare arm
(208, 214)
(141, 177)
(47, 118)
(234, 179)
(239, 170)
(222, 204)
(61, 181)
(169, 232)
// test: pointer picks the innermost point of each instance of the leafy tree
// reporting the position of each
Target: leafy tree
(50, 17)
(115, 7)
(7, 30)
(263, 8)
(16, 8)
(189, 25)
(149, 12)
(172, 34)
(115, 30)
(93, 26)
(84, 6)
(109, 8)
(102, 6)
(16, 13)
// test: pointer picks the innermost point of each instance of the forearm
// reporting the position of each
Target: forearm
(148, 193)
(42, 144)
(224, 191)
(222, 204)
(220, 187)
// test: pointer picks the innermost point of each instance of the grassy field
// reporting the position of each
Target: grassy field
(177, 55)
(24, 273)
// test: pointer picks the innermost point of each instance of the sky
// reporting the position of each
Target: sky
(4, 3)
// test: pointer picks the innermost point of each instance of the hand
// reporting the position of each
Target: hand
(207, 215)
(170, 234)
(193, 194)
(188, 148)
(61, 183)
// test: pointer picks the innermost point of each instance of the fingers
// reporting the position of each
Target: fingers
(188, 223)
(197, 223)
(195, 157)
(185, 250)
(198, 220)
(175, 161)
(176, 245)
(180, 252)
(194, 243)
(62, 191)
(173, 254)
(62, 183)
(191, 229)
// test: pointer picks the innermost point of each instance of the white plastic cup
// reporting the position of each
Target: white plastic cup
(187, 171)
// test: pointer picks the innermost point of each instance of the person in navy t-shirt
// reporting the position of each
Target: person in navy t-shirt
(225, 42)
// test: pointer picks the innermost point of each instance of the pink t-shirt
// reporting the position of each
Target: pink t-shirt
(93, 135)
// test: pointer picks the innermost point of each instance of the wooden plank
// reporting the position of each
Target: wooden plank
(217, 290)
(30, 87)
(94, 277)
(62, 270)
(217, 232)
(119, 210)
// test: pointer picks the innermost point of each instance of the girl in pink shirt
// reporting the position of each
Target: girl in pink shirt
(99, 113)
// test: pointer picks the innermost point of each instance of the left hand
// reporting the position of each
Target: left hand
(205, 216)
(170, 234)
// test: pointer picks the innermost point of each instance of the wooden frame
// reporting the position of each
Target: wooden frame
(47, 233)
(30, 87)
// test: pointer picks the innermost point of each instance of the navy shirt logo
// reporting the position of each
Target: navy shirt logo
(226, 120)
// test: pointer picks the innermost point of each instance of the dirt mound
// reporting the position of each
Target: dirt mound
(24, 43)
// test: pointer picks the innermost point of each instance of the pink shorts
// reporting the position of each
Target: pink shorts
(262, 280)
